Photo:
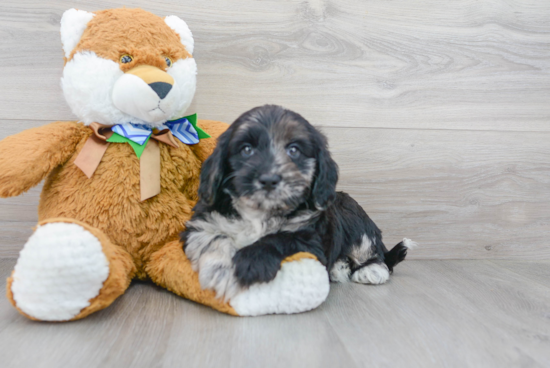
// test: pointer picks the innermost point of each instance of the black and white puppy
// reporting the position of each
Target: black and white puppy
(268, 191)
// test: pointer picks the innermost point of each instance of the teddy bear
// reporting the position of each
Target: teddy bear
(121, 182)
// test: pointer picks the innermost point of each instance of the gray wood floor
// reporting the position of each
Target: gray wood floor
(431, 314)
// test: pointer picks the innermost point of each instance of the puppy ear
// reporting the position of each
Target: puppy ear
(326, 176)
(213, 170)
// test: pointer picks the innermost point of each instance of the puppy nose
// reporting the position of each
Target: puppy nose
(161, 88)
(269, 181)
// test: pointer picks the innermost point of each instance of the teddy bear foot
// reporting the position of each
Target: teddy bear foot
(301, 284)
(60, 273)
(59, 270)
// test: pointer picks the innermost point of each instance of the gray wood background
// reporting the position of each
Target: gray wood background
(437, 112)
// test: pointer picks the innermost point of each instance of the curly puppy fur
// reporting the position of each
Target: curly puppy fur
(268, 191)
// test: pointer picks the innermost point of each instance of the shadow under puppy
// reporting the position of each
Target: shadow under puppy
(269, 191)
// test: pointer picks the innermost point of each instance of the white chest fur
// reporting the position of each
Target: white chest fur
(242, 231)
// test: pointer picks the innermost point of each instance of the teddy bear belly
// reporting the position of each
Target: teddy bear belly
(110, 200)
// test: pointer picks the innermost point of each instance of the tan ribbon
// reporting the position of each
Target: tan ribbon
(149, 164)
(149, 170)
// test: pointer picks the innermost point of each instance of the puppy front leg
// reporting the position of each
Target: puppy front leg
(212, 259)
(261, 261)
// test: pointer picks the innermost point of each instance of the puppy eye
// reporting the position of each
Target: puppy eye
(168, 61)
(125, 59)
(293, 151)
(247, 151)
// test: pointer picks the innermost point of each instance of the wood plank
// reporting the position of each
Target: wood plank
(430, 314)
(460, 194)
(149, 327)
(445, 314)
(479, 65)
(535, 271)
(18, 217)
(515, 310)
(13, 235)
(305, 340)
(11, 126)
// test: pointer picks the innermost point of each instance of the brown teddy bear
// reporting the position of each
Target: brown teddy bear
(121, 183)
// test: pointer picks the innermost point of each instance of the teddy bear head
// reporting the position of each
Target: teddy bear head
(127, 66)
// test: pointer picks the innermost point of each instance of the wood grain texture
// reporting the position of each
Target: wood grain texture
(459, 194)
(417, 99)
(430, 314)
(481, 65)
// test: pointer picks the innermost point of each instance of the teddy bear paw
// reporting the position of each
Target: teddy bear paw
(60, 269)
(301, 284)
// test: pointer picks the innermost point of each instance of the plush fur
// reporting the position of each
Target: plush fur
(108, 204)
(93, 71)
(139, 239)
(268, 191)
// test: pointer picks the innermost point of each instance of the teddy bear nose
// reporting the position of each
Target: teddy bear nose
(161, 88)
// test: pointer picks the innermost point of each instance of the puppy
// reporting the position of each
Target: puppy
(268, 191)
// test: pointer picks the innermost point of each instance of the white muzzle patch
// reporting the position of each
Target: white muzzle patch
(135, 97)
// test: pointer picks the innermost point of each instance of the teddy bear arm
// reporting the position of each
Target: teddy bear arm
(27, 157)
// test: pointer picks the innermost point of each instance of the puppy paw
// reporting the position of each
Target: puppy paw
(375, 273)
(256, 264)
(218, 274)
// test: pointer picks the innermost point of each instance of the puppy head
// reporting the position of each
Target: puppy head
(127, 65)
(270, 160)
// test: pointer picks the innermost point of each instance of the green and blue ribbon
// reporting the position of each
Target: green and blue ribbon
(185, 129)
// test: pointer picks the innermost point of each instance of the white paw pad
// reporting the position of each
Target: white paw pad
(372, 274)
(60, 269)
(298, 287)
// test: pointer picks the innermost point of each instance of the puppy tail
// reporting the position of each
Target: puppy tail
(398, 253)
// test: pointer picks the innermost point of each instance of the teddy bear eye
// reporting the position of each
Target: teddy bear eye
(125, 59)
(168, 61)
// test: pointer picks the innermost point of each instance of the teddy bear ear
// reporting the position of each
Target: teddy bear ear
(182, 30)
(73, 24)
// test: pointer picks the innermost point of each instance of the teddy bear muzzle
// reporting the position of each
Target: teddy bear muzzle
(145, 92)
